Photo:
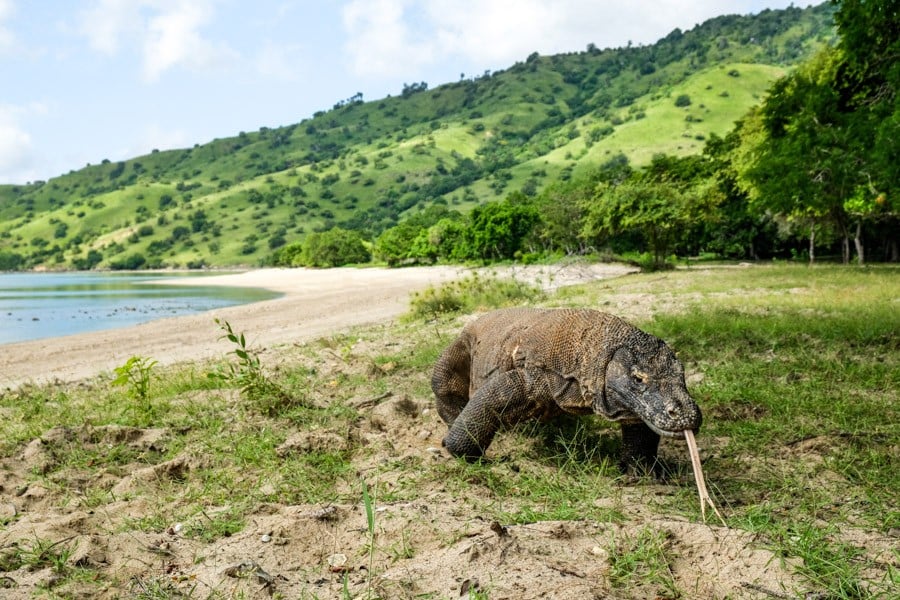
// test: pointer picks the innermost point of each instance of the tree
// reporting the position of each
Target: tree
(497, 230)
(803, 159)
(653, 210)
(739, 231)
(334, 248)
(414, 241)
(562, 206)
(823, 146)
(88, 262)
(130, 262)
(443, 240)
(10, 261)
(659, 204)
(394, 244)
(682, 100)
(868, 84)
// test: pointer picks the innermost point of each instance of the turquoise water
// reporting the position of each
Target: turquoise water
(41, 305)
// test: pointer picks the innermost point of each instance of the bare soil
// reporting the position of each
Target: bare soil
(437, 544)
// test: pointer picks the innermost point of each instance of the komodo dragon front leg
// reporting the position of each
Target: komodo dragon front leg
(502, 401)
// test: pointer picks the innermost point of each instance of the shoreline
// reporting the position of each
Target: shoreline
(313, 303)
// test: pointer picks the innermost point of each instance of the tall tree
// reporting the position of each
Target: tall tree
(659, 204)
(868, 81)
(823, 146)
(807, 162)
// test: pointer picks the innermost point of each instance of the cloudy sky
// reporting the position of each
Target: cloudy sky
(87, 80)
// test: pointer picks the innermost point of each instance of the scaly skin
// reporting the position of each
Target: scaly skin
(521, 364)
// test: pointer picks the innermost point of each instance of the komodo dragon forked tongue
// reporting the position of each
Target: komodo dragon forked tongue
(698, 477)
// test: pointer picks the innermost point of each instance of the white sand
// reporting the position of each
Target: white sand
(315, 303)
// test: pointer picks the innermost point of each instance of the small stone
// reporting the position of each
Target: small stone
(424, 434)
(266, 538)
(336, 561)
(433, 450)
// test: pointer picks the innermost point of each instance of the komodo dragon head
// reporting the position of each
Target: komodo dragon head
(644, 378)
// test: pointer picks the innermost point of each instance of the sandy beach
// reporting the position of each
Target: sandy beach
(314, 303)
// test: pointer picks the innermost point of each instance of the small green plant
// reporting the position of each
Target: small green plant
(369, 505)
(217, 525)
(247, 374)
(370, 516)
(135, 374)
(643, 558)
(471, 293)
(156, 588)
(38, 555)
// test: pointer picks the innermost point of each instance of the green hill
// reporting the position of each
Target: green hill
(366, 165)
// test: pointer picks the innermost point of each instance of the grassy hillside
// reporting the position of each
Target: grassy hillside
(365, 165)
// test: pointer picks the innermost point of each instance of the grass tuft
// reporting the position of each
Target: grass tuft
(473, 293)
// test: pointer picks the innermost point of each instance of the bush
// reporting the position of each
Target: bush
(129, 263)
(334, 248)
(472, 293)
(497, 230)
(287, 256)
(683, 100)
(10, 261)
(394, 244)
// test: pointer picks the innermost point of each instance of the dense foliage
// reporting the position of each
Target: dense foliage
(746, 137)
(817, 159)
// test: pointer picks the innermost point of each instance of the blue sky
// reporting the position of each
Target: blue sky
(87, 80)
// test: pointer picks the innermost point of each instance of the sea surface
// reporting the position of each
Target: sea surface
(42, 305)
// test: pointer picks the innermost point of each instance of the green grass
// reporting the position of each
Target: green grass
(642, 562)
(798, 376)
(372, 159)
(472, 293)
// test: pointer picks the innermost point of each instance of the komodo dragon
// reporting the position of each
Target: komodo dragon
(517, 364)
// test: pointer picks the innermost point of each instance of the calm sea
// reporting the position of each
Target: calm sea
(41, 305)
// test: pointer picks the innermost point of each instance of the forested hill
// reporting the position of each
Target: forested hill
(366, 166)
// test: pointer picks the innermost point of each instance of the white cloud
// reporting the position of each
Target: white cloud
(173, 38)
(154, 137)
(6, 35)
(281, 62)
(108, 21)
(389, 37)
(167, 33)
(17, 159)
(381, 39)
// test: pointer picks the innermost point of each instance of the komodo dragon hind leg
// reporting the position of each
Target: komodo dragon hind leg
(450, 381)
(501, 401)
(639, 449)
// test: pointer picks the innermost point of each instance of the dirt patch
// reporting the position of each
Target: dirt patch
(438, 544)
(146, 512)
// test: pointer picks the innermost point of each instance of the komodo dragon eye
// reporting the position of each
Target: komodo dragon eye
(640, 376)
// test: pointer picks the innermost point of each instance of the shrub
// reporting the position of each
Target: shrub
(472, 293)
(683, 100)
(394, 244)
(334, 248)
(10, 261)
(129, 263)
